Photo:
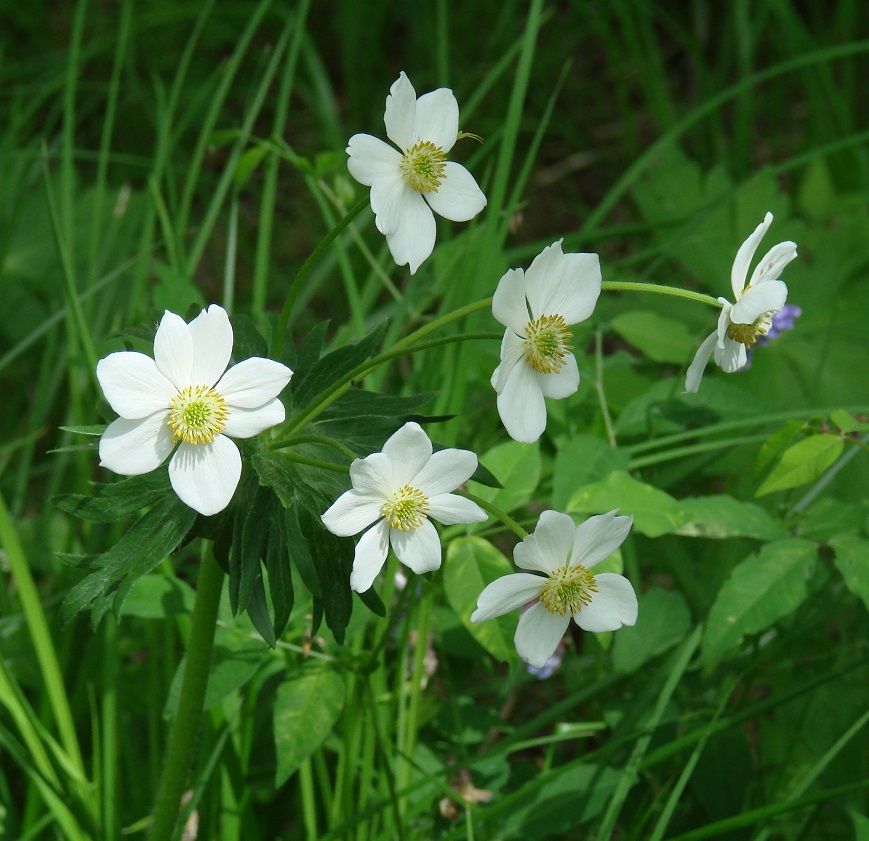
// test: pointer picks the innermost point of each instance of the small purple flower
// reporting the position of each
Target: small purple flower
(781, 321)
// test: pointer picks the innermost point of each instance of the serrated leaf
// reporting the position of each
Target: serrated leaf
(517, 467)
(307, 706)
(280, 576)
(112, 501)
(580, 461)
(852, 560)
(247, 341)
(802, 463)
(660, 338)
(722, 516)
(258, 610)
(471, 564)
(663, 620)
(762, 589)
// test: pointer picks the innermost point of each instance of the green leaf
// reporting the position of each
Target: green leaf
(157, 595)
(771, 450)
(763, 588)
(249, 532)
(660, 338)
(248, 163)
(517, 467)
(112, 501)
(654, 511)
(307, 706)
(663, 620)
(580, 461)
(471, 564)
(827, 518)
(258, 611)
(861, 826)
(846, 422)
(277, 563)
(804, 462)
(723, 516)
(852, 560)
(247, 341)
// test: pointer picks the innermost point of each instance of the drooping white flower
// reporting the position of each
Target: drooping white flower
(183, 398)
(564, 554)
(407, 185)
(398, 489)
(558, 290)
(740, 323)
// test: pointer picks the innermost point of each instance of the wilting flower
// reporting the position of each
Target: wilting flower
(565, 555)
(741, 323)
(183, 397)
(407, 186)
(398, 489)
(558, 290)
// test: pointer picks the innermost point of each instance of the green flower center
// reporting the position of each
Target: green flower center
(423, 166)
(198, 415)
(747, 334)
(568, 590)
(546, 343)
(406, 508)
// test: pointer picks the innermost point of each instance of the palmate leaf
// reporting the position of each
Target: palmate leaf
(112, 501)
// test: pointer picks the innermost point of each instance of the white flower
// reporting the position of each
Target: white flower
(398, 489)
(183, 397)
(407, 185)
(565, 554)
(751, 315)
(557, 290)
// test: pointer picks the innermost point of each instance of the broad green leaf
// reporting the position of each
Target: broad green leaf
(470, 565)
(861, 826)
(846, 422)
(660, 338)
(827, 518)
(761, 589)
(655, 512)
(156, 596)
(852, 560)
(804, 462)
(662, 621)
(771, 450)
(580, 461)
(723, 516)
(307, 706)
(517, 467)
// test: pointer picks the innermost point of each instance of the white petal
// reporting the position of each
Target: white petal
(133, 447)
(509, 305)
(205, 476)
(698, 365)
(598, 537)
(538, 634)
(253, 382)
(613, 605)
(507, 593)
(512, 353)
(419, 549)
(413, 241)
(548, 547)
(437, 119)
(521, 405)
(352, 512)
(173, 350)
(723, 321)
(133, 385)
(408, 450)
(371, 159)
(450, 509)
(773, 262)
(400, 112)
(245, 423)
(739, 271)
(563, 284)
(458, 198)
(769, 296)
(370, 557)
(372, 475)
(390, 199)
(212, 345)
(731, 357)
(445, 471)
(563, 383)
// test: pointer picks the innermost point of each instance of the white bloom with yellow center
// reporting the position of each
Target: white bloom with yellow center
(740, 323)
(538, 307)
(565, 555)
(407, 186)
(399, 489)
(186, 397)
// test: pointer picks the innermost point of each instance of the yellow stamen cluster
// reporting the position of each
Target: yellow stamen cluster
(198, 415)
(423, 166)
(747, 334)
(546, 343)
(406, 508)
(568, 590)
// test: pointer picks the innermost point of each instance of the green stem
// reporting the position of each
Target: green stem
(658, 289)
(306, 267)
(503, 516)
(186, 725)
(317, 462)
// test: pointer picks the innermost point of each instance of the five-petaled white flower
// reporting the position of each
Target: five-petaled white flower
(398, 489)
(740, 323)
(565, 554)
(537, 307)
(183, 397)
(407, 185)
